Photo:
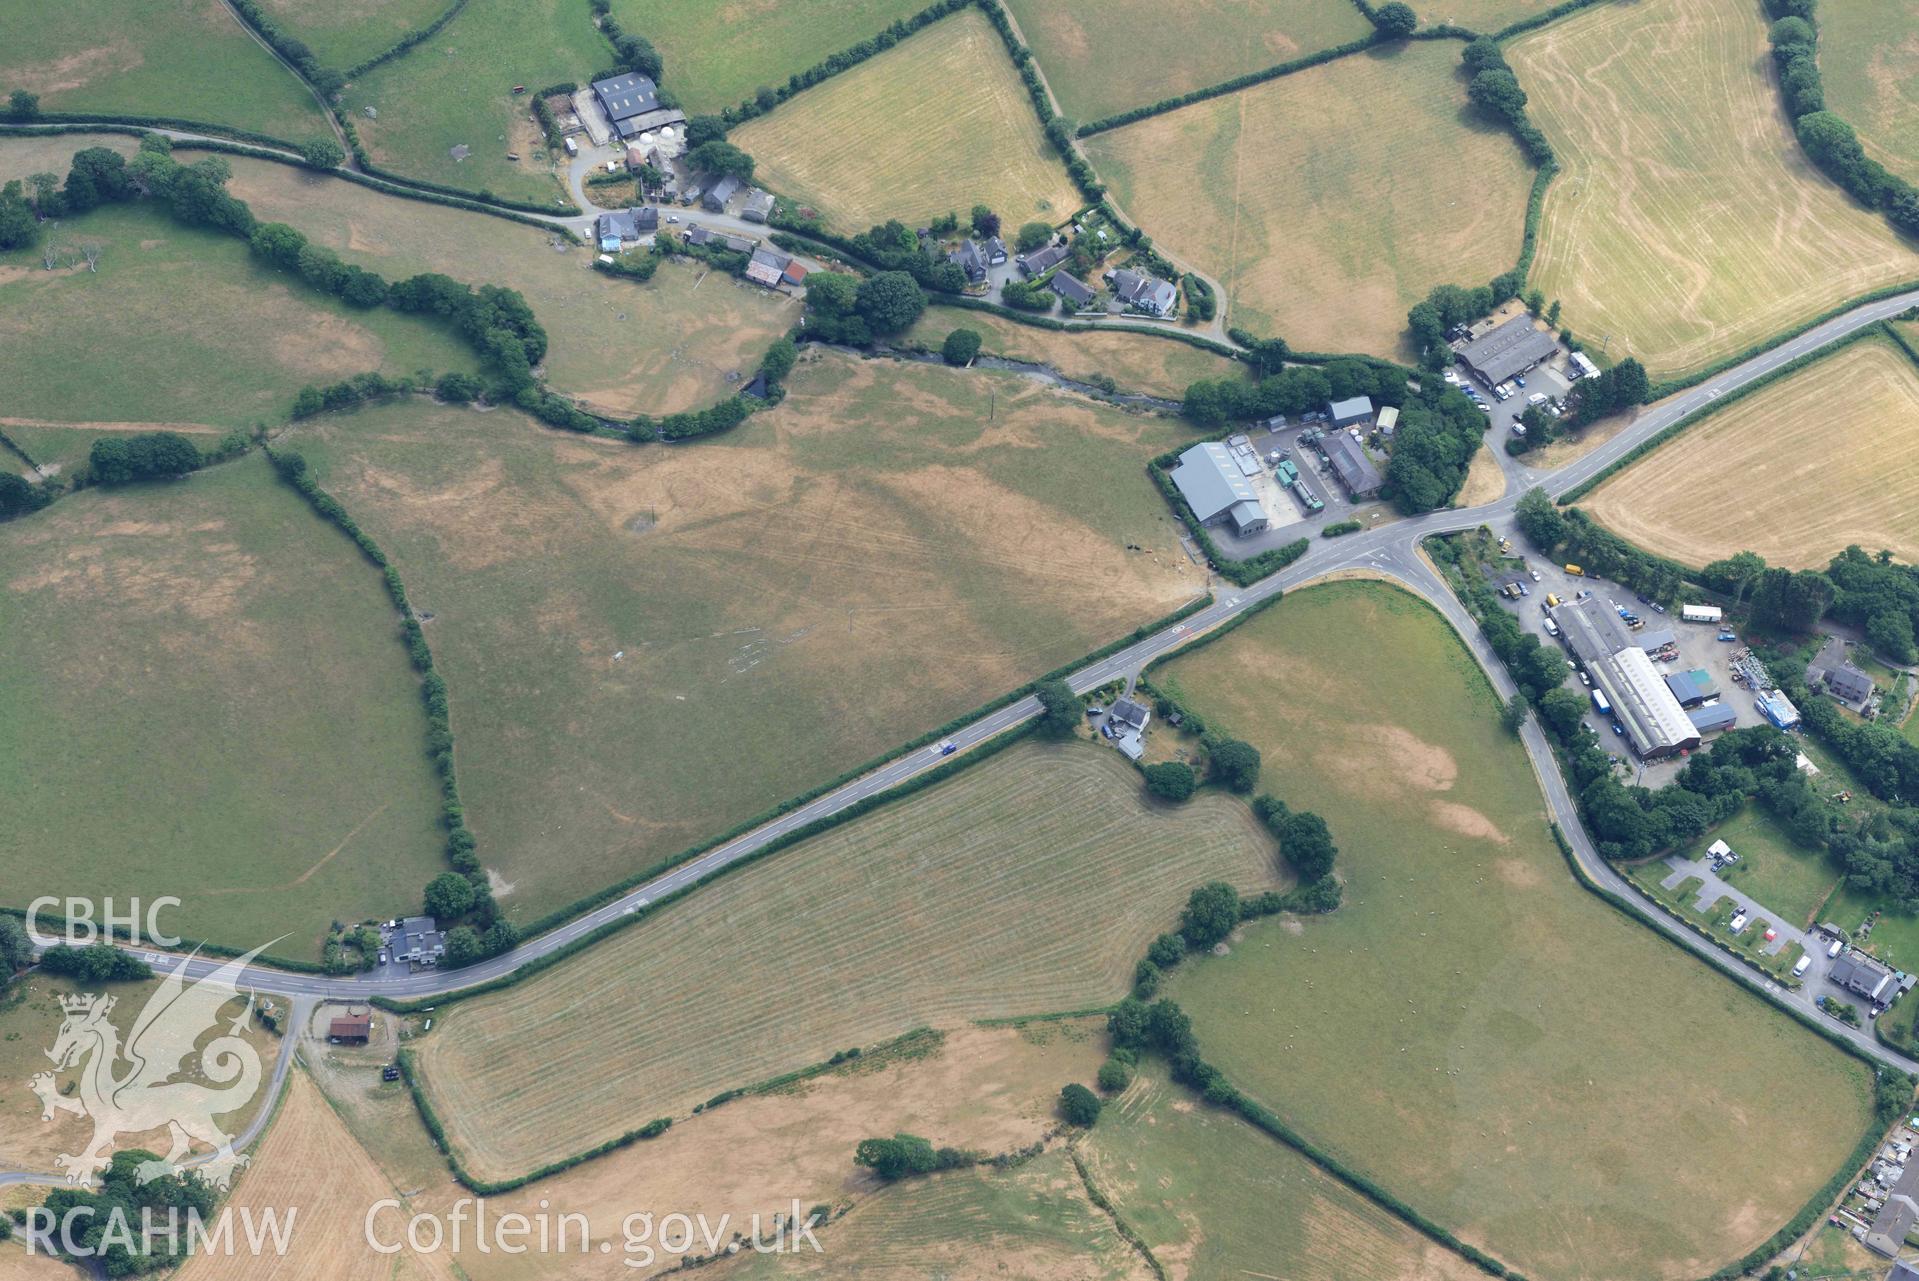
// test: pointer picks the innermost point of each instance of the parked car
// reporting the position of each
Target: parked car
(1585, 680)
(1536, 577)
(1520, 379)
(1619, 729)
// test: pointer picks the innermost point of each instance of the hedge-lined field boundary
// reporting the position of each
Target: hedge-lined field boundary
(417, 36)
(1667, 387)
(1542, 19)
(416, 1084)
(1134, 115)
(1127, 1231)
(580, 907)
(1712, 407)
(1892, 1090)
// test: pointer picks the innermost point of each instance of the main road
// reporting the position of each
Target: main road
(1391, 550)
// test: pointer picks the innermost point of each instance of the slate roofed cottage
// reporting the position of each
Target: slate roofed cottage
(1075, 294)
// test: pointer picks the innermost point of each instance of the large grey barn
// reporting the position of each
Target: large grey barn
(1655, 724)
(1509, 348)
(632, 103)
(1214, 487)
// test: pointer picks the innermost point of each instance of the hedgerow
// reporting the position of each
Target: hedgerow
(601, 897)
(404, 43)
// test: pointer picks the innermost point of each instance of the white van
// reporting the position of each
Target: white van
(1838, 946)
(1799, 970)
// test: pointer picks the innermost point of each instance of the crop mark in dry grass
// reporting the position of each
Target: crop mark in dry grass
(1687, 222)
(940, 121)
(1324, 226)
(1028, 883)
(1827, 457)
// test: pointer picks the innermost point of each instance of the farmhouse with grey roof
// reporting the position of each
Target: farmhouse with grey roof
(1144, 292)
(969, 260)
(1069, 288)
(1041, 261)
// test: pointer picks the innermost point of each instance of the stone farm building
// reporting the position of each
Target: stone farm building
(1148, 294)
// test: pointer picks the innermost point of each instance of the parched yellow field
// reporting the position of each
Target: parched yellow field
(1091, 50)
(1030, 882)
(1869, 63)
(310, 1164)
(659, 347)
(1796, 472)
(1033, 1222)
(938, 122)
(1687, 224)
(1214, 1197)
(1322, 224)
(990, 1090)
(1136, 362)
(648, 646)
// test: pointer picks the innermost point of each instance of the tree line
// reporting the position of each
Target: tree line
(1824, 136)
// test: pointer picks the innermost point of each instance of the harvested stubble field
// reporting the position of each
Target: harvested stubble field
(1687, 224)
(1470, 1016)
(1869, 63)
(205, 697)
(189, 59)
(310, 1161)
(30, 1018)
(1031, 1223)
(1213, 1197)
(1823, 458)
(456, 90)
(1031, 882)
(342, 33)
(1090, 50)
(1321, 225)
(648, 646)
(17, 1265)
(719, 57)
(939, 122)
(660, 347)
(988, 1089)
(198, 333)
(1136, 362)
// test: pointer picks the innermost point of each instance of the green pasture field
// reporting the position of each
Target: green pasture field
(342, 33)
(1322, 226)
(181, 325)
(648, 646)
(192, 60)
(1869, 63)
(680, 341)
(1090, 49)
(1135, 362)
(25, 155)
(1030, 883)
(456, 90)
(1895, 936)
(205, 697)
(1692, 225)
(1200, 1184)
(1779, 874)
(719, 57)
(1469, 1017)
(1023, 1224)
(940, 122)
